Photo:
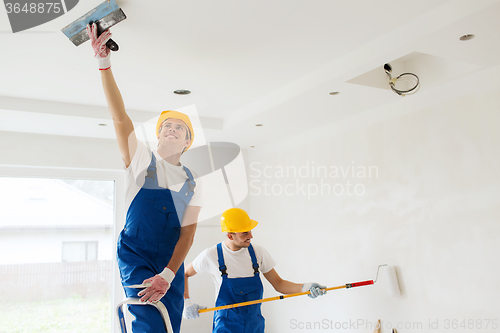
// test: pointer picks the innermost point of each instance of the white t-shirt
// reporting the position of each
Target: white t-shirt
(169, 176)
(238, 263)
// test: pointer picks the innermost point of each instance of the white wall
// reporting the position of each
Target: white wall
(432, 210)
(28, 149)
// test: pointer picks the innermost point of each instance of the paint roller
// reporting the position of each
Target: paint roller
(392, 281)
(391, 278)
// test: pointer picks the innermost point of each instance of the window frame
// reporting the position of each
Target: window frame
(86, 248)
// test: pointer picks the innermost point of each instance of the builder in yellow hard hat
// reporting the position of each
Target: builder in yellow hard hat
(235, 266)
(163, 202)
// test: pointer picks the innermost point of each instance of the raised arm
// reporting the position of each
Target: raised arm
(124, 128)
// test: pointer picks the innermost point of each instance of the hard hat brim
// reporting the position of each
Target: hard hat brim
(253, 225)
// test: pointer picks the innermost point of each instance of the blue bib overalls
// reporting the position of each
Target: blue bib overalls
(146, 244)
(245, 319)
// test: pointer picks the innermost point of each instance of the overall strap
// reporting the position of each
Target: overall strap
(151, 180)
(222, 266)
(255, 265)
(189, 184)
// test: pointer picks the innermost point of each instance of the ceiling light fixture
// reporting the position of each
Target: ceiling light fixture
(103, 124)
(182, 92)
(258, 125)
(334, 93)
(467, 37)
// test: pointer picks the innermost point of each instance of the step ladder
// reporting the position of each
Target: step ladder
(136, 301)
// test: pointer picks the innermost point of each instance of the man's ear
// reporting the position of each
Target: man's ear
(230, 236)
(159, 132)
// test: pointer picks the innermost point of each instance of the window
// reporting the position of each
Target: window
(79, 251)
(58, 245)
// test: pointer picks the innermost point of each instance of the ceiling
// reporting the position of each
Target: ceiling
(271, 62)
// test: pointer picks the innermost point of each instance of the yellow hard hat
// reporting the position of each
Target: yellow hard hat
(176, 115)
(236, 220)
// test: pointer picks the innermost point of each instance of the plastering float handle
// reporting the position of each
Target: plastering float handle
(111, 44)
(359, 284)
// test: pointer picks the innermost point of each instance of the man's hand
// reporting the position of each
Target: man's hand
(158, 287)
(191, 309)
(315, 289)
(101, 51)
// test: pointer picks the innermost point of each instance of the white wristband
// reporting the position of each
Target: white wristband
(306, 286)
(167, 274)
(104, 63)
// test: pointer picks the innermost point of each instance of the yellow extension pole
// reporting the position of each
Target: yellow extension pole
(230, 306)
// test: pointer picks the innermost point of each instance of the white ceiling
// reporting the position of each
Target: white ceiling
(246, 62)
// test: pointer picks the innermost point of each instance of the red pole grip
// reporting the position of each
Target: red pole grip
(359, 284)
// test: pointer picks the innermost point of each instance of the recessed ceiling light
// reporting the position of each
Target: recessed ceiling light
(182, 92)
(252, 146)
(334, 93)
(467, 37)
(259, 125)
(103, 124)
